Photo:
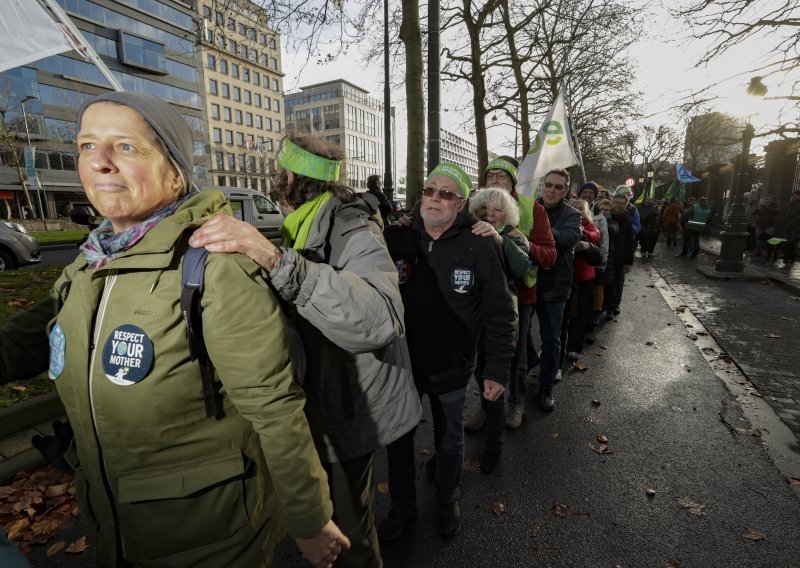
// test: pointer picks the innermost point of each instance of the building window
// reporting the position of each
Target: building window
(262, 38)
(243, 51)
(259, 122)
(272, 43)
(277, 126)
(218, 135)
(220, 18)
(242, 29)
(267, 103)
(221, 180)
(273, 63)
(235, 70)
(246, 74)
(268, 124)
(248, 119)
(231, 159)
(234, 47)
(229, 137)
(220, 160)
(277, 105)
(232, 24)
(237, 94)
(226, 114)
(222, 43)
(212, 62)
(247, 97)
(240, 139)
(143, 53)
(257, 100)
(206, 11)
(263, 61)
(256, 78)
(269, 145)
(223, 66)
(226, 90)
(238, 114)
(215, 111)
(212, 86)
(253, 55)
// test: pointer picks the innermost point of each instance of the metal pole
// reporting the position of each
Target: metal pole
(733, 240)
(28, 136)
(388, 186)
(516, 130)
(434, 86)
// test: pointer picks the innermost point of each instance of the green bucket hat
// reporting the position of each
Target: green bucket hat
(456, 174)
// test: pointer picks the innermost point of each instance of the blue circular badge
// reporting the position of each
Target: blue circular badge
(58, 349)
(127, 355)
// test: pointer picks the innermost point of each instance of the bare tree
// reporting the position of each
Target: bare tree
(631, 153)
(411, 35)
(711, 138)
(775, 24)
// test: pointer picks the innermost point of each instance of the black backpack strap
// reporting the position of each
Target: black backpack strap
(192, 284)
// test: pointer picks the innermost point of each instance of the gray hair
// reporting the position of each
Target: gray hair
(499, 197)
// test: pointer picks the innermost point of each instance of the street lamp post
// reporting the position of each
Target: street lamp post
(30, 149)
(650, 173)
(734, 237)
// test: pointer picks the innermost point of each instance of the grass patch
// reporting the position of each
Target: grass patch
(20, 289)
(66, 236)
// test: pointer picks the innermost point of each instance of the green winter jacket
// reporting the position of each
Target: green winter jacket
(163, 484)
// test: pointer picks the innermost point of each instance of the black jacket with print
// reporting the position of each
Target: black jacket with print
(452, 287)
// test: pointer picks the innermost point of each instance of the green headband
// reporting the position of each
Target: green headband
(456, 174)
(302, 162)
(500, 164)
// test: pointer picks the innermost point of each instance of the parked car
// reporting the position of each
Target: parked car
(255, 208)
(17, 247)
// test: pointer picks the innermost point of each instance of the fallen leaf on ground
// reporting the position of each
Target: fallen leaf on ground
(383, 487)
(694, 508)
(772, 336)
(673, 565)
(753, 534)
(601, 449)
(651, 286)
(676, 408)
(472, 466)
(603, 348)
(562, 510)
(579, 366)
(595, 402)
(15, 529)
(792, 481)
(649, 343)
(650, 492)
(19, 388)
(701, 333)
(687, 368)
(554, 435)
(602, 438)
(726, 358)
(78, 546)
(498, 508)
(57, 490)
(692, 336)
(56, 548)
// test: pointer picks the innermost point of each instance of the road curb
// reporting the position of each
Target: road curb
(27, 460)
(29, 413)
(60, 246)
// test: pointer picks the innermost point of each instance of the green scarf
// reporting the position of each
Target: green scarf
(298, 223)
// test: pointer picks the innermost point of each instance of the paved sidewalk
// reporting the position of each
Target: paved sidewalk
(788, 276)
(755, 322)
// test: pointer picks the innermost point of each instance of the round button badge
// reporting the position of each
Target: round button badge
(127, 355)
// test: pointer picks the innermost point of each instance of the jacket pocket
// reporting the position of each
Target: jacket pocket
(190, 506)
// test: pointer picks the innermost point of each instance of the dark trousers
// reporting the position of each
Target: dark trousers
(351, 488)
(613, 291)
(694, 242)
(648, 239)
(495, 410)
(573, 330)
(549, 315)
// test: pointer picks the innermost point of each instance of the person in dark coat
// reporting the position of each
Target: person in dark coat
(384, 205)
(623, 253)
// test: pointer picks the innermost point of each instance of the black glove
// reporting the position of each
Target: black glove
(53, 447)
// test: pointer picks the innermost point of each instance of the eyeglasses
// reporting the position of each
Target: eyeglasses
(558, 186)
(443, 195)
(497, 175)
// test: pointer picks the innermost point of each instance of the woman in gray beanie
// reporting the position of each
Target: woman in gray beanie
(162, 483)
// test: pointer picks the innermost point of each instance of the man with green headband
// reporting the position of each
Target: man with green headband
(453, 286)
(535, 225)
(341, 284)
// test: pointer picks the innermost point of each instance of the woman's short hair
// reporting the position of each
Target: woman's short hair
(584, 208)
(499, 197)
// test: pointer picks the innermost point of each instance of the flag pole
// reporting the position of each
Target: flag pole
(76, 38)
(568, 111)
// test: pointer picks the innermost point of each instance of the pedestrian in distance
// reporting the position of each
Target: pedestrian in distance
(791, 229)
(696, 223)
(651, 227)
(671, 221)
(685, 234)
(169, 477)
(534, 223)
(622, 244)
(604, 278)
(374, 185)
(336, 275)
(766, 220)
(454, 288)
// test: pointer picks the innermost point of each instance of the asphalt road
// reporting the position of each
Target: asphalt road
(671, 424)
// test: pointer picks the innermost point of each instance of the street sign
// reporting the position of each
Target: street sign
(630, 182)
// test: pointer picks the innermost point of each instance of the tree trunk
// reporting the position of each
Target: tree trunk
(411, 37)
(519, 79)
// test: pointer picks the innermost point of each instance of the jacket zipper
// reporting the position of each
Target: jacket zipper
(98, 324)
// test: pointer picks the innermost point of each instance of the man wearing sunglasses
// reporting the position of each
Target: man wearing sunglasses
(453, 285)
(555, 283)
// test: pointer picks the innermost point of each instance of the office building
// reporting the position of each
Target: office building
(241, 59)
(457, 150)
(149, 45)
(346, 115)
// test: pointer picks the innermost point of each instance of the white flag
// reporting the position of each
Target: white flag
(552, 148)
(27, 34)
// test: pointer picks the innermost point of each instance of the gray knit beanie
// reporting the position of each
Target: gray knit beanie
(163, 118)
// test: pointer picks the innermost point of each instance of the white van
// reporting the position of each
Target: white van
(255, 208)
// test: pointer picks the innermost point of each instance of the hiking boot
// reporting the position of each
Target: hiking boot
(609, 315)
(598, 318)
(394, 525)
(490, 461)
(545, 401)
(476, 422)
(557, 378)
(514, 415)
(449, 518)
(573, 356)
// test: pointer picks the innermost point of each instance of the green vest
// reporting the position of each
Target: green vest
(526, 205)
